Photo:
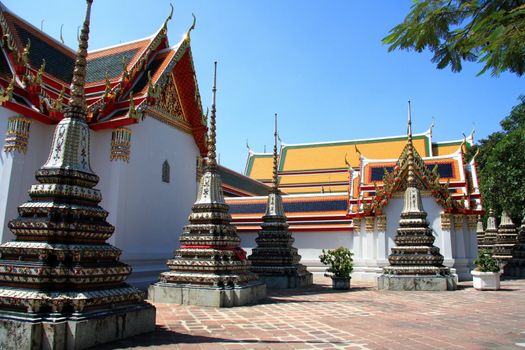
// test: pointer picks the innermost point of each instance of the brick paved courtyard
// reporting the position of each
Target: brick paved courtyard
(363, 318)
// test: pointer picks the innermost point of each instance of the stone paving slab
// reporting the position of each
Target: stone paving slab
(362, 318)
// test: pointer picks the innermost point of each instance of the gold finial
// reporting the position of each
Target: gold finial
(275, 177)
(410, 153)
(77, 101)
(212, 162)
(187, 35)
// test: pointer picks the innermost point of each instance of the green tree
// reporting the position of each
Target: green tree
(491, 32)
(501, 165)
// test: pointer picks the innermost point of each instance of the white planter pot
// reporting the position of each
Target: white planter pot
(485, 280)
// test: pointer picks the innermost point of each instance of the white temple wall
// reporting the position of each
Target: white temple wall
(148, 213)
(17, 169)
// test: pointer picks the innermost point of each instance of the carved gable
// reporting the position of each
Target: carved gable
(169, 104)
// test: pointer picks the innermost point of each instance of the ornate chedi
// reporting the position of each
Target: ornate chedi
(58, 278)
(209, 268)
(275, 260)
(506, 239)
(516, 265)
(415, 263)
(491, 232)
(480, 232)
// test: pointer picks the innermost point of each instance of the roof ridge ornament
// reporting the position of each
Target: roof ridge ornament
(170, 16)
(187, 35)
(212, 137)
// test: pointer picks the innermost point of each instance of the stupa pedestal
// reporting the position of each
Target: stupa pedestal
(61, 285)
(209, 268)
(275, 260)
(415, 264)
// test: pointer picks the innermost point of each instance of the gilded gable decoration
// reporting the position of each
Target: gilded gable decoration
(17, 135)
(169, 101)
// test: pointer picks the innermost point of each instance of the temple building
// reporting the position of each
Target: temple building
(344, 193)
(134, 90)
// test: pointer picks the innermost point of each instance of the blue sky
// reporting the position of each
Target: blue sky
(319, 64)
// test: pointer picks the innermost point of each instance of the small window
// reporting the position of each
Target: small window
(166, 172)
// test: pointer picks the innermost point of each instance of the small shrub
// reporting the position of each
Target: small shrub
(485, 262)
(339, 261)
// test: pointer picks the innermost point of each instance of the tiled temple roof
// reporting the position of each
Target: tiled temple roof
(126, 66)
(235, 184)
(326, 212)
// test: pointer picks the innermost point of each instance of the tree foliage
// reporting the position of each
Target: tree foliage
(501, 165)
(491, 32)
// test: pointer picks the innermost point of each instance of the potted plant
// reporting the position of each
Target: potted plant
(486, 275)
(340, 266)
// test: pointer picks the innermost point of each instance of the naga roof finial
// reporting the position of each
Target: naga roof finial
(61, 36)
(170, 16)
(77, 101)
(275, 179)
(410, 151)
(212, 162)
(187, 35)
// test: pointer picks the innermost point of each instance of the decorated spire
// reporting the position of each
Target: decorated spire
(212, 136)
(275, 177)
(77, 101)
(410, 150)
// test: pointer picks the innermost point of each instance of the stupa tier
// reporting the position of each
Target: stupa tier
(275, 260)
(491, 233)
(480, 232)
(505, 240)
(414, 263)
(59, 272)
(210, 268)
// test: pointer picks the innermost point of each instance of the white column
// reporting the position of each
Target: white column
(381, 243)
(446, 239)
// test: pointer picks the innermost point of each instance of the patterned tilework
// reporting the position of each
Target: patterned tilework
(113, 64)
(58, 64)
(242, 182)
(292, 207)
